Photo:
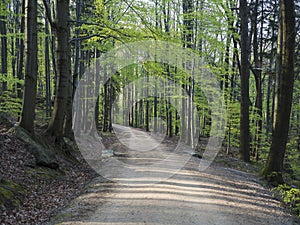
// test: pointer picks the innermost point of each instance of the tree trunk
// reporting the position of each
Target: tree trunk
(274, 165)
(105, 108)
(187, 8)
(3, 32)
(147, 107)
(27, 114)
(47, 70)
(20, 62)
(77, 46)
(244, 151)
(258, 80)
(56, 123)
(68, 132)
(270, 104)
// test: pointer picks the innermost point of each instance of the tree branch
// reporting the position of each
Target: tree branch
(88, 37)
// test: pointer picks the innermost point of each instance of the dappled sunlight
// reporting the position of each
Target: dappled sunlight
(149, 187)
(197, 194)
(190, 195)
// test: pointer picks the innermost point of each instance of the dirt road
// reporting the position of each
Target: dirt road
(216, 196)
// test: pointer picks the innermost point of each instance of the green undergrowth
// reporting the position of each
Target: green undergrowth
(289, 195)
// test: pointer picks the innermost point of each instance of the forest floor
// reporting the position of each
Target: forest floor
(31, 194)
(75, 194)
(145, 191)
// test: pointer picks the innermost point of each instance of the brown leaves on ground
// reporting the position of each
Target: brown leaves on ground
(46, 190)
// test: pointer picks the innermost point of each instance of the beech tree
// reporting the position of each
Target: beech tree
(245, 73)
(284, 93)
(60, 26)
(3, 32)
(29, 97)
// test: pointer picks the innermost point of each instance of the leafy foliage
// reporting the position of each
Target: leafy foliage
(290, 196)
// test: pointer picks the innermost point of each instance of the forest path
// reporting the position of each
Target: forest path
(136, 196)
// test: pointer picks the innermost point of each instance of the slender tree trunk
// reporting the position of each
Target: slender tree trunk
(20, 62)
(27, 114)
(258, 80)
(141, 116)
(15, 41)
(271, 88)
(269, 91)
(54, 55)
(147, 107)
(135, 114)
(244, 114)
(189, 112)
(155, 110)
(268, 103)
(111, 99)
(94, 126)
(235, 69)
(68, 132)
(274, 165)
(105, 108)
(187, 7)
(47, 69)
(77, 46)
(3, 32)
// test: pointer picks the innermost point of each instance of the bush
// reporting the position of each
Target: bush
(290, 196)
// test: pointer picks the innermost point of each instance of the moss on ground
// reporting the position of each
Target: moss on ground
(11, 194)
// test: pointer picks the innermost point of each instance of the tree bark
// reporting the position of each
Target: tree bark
(274, 165)
(77, 46)
(47, 69)
(187, 8)
(20, 61)
(257, 71)
(3, 32)
(244, 151)
(29, 97)
(56, 123)
(67, 128)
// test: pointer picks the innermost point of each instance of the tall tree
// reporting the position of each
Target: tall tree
(187, 35)
(257, 71)
(47, 68)
(245, 72)
(27, 114)
(3, 32)
(56, 123)
(284, 93)
(20, 62)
